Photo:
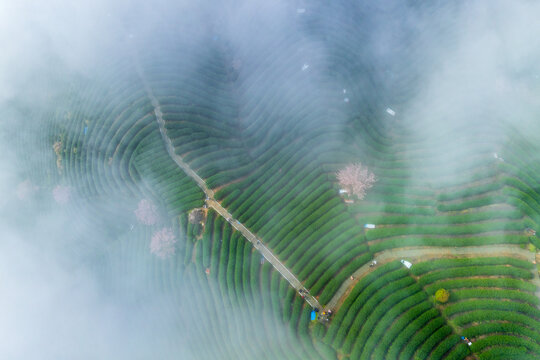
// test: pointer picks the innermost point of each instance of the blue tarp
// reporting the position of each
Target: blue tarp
(85, 129)
(313, 315)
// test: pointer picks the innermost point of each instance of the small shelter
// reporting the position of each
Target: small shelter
(391, 112)
(313, 315)
(406, 263)
(369, 226)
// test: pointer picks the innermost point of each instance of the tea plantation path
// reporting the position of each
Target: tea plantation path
(432, 252)
(212, 203)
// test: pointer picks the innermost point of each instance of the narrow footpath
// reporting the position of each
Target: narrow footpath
(212, 203)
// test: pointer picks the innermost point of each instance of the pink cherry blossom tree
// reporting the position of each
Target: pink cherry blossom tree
(162, 243)
(146, 212)
(356, 179)
(25, 190)
(61, 194)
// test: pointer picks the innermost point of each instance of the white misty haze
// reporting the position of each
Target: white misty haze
(486, 67)
(53, 305)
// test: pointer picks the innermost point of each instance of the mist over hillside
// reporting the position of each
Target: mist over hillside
(123, 122)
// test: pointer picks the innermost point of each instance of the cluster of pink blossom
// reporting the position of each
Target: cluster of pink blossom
(356, 179)
(146, 212)
(25, 190)
(162, 243)
(61, 194)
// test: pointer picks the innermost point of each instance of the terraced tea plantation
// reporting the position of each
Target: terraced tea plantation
(262, 130)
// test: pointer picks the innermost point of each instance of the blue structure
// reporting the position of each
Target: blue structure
(313, 315)
(85, 129)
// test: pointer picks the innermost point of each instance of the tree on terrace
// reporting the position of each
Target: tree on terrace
(25, 190)
(356, 179)
(442, 295)
(162, 243)
(146, 212)
(61, 194)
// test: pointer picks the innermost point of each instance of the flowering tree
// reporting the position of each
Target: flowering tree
(162, 243)
(146, 212)
(356, 179)
(61, 194)
(25, 190)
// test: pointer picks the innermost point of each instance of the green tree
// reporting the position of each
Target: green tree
(442, 295)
